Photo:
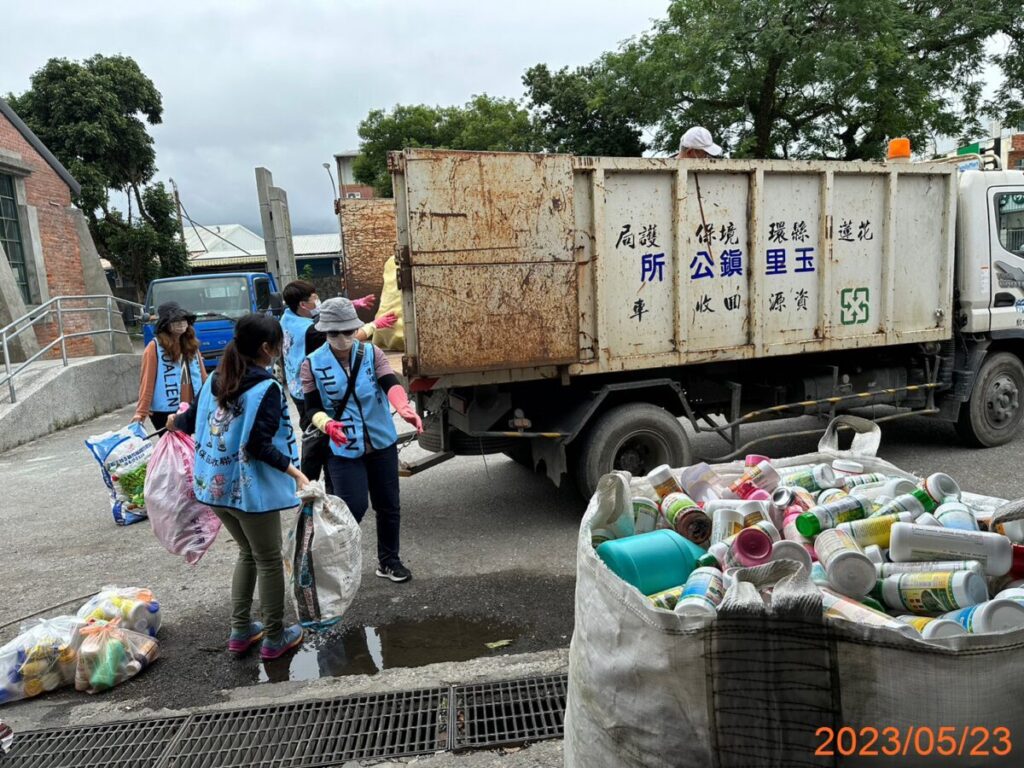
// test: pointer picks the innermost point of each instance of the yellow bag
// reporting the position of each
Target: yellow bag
(393, 338)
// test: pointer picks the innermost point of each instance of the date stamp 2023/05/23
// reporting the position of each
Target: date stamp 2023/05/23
(919, 741)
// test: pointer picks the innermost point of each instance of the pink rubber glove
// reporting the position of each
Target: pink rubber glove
(386, 321)
(366, 302)
(336, 432)
(398, 398)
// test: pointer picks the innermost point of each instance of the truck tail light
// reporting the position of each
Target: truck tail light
(422, 385)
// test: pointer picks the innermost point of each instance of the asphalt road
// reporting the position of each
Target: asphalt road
(490, 544)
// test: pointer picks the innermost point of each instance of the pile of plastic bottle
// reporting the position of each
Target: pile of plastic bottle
(885, 551)
(110, 640)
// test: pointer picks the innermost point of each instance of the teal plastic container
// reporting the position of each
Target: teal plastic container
(653, 561)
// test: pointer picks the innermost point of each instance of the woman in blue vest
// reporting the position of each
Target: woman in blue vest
(172, 368)
(246, 470)
(348, 385)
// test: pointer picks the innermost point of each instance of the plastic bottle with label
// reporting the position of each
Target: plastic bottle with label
(651, 562)
(932, 592)
(702, 593)
(847, 468)
(996, 615)
(940, 487)
(664, 481)
(762, 476)
(874, 530)
(849, 482)
(925, 566)
(954, 514)
(790, 532)
(702, 483)
(849, 569)
(791, 550)
(686, 518)
(932, 628)
(645, 514)
(829, 515)
(725, 523)
(816, 479)
(840, 606)
(916, 502)
(751, 546)
(910, 542)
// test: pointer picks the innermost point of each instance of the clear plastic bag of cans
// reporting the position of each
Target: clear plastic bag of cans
(110, 654)
(42, 658)
(136, 609)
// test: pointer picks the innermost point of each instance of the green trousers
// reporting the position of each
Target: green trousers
(259, 562)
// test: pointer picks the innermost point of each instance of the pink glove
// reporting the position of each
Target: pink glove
(386, 321)
(398, 398)
(366, 302)
(334, 430)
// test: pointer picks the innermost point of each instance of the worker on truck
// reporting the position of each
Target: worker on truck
(697, 143)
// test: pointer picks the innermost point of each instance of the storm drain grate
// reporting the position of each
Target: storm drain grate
(132, 744)
(316, 733)
(512, 712)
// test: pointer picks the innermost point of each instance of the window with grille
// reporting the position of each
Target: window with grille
(10, 235)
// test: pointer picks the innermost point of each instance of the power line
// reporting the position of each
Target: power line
(215, 234)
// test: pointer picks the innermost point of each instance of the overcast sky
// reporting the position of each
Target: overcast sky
(247, 83)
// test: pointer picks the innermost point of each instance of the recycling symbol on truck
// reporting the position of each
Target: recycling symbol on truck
(855, 304)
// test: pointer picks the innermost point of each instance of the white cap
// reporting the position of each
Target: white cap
(699, 137)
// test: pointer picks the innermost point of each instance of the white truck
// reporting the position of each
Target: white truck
(570, 311)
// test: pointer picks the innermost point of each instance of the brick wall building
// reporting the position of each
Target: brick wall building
(370, 238)
(1015, 157)
(47, 250)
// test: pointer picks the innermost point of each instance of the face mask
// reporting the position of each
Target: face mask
(341, 342)
(315, 311)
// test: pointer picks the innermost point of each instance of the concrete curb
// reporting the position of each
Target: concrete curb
(84, 390)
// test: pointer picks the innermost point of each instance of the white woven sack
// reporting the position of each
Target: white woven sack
(753, 688)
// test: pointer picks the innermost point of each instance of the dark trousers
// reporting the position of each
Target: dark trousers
(315, 450)
(371, 477)
(159, 420)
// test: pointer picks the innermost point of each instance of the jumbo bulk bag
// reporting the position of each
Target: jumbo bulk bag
(760, 685)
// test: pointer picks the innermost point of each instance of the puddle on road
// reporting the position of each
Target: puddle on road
(368, 650)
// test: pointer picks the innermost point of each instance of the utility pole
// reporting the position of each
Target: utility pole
(177, 208)
(277, 228)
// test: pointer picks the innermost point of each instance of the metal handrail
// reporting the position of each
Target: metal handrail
(43, 313)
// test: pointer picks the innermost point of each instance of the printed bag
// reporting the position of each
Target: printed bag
(123, 456)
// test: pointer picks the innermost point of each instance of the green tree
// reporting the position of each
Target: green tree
(809, 78)
(574, 113)
(483, 123)
(94, 116)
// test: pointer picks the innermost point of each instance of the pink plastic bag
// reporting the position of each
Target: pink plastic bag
(183, 525)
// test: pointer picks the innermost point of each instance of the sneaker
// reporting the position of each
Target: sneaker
(289, 639)
(394, 571)
(241, 641)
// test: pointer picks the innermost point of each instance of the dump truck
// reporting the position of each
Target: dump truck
(572, 312)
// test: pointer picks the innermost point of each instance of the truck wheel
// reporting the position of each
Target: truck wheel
(993, 414)
(636, 438)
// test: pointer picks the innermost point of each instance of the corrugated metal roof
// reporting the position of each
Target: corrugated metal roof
(308, 244)
(235, 244)
(223, 238)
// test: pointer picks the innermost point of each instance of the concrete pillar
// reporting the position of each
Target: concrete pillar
(96, 284)
(277, 228)
(12, 306)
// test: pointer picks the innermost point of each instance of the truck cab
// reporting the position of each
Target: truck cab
(217, 300)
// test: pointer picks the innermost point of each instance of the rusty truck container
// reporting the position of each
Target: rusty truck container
(526, 266)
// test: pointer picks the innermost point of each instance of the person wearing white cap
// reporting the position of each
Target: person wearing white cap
(697, 142)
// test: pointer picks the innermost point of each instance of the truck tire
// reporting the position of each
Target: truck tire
(635, 437)
(993, 414)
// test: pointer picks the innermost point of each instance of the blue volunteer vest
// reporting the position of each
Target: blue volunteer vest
(167, 389)
(224, 475)
(294, 350)
(367, 411)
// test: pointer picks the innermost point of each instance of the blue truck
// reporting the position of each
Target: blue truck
(217, 300)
